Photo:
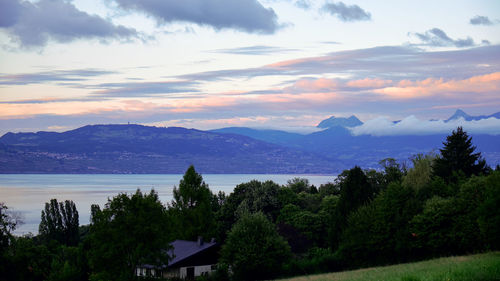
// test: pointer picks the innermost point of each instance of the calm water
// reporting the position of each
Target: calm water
(26, 195)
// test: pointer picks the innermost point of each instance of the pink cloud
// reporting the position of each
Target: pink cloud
(406, 89)
(304, 94)
(25, 110)
(15, 110)
(368, 83)
(314, 85)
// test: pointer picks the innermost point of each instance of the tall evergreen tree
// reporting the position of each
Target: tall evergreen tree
(457, 156)
(355, 191)
(192, 207)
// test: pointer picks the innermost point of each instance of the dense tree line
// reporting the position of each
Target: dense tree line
(439, 205)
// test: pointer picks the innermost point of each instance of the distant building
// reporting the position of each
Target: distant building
(190, 259)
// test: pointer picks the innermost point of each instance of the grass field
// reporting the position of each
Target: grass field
(479, 267)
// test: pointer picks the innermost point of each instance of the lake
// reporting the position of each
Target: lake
(25, 195)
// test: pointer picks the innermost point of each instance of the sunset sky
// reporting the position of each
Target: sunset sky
(268, 64)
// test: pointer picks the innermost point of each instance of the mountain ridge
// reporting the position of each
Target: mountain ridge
(144, 149)
(120, 148)
(461, 114)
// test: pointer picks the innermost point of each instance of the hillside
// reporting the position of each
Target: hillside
(143, 149)
(462, 268)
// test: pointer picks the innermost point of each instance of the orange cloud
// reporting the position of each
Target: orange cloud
(406, 89)
(304, 93)
(10, 110)
(368, 83)
(314, 85)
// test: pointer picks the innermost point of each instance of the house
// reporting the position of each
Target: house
(190, 259)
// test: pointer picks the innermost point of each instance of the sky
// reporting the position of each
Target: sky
(284, 64)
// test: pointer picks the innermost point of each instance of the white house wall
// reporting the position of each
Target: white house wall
(198, 270)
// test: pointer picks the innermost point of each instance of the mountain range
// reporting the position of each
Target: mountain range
(145, 149)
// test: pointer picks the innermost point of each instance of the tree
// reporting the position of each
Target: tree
(379, 232)
(131, 230)
(299, 185)
(8, 224)
(489, 213)
(192, 207)
(419, 176)
(457, 156)
(261, 197)
(355, 191)
(393, 171)
(310, 225)
(29, 260)
(433, 227)
(68, 264)
(254, 249)
(59, 221)
(252, 197)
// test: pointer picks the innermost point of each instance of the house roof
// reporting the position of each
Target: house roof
(183, 249)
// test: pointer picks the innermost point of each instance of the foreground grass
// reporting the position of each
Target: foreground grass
(479, 267)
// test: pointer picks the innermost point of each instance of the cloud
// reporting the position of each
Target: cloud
(346, 13)
(386, 63)
(331, 42)
(413, 126)
(34, 24)
(481, 84)
(43, 100)
(144, 89)
(480, 20)
(368, 83)
(215, 75)
(254, 50)
(10, 11)
(310, 85)
(398, 79)
(52, 76)
(303, 4)
(244, 15)
(472, 88)
(60, 108)
(289, 123)
(437, 38)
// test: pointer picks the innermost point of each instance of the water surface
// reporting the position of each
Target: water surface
(26, 194)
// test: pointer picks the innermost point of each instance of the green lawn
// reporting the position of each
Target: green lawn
(479, 267)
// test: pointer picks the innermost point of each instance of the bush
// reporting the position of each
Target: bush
(318, 260)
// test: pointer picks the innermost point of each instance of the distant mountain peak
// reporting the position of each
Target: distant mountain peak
(333, 121)
(461, 114)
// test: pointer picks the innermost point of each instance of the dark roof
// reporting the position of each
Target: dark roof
(183, 249)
